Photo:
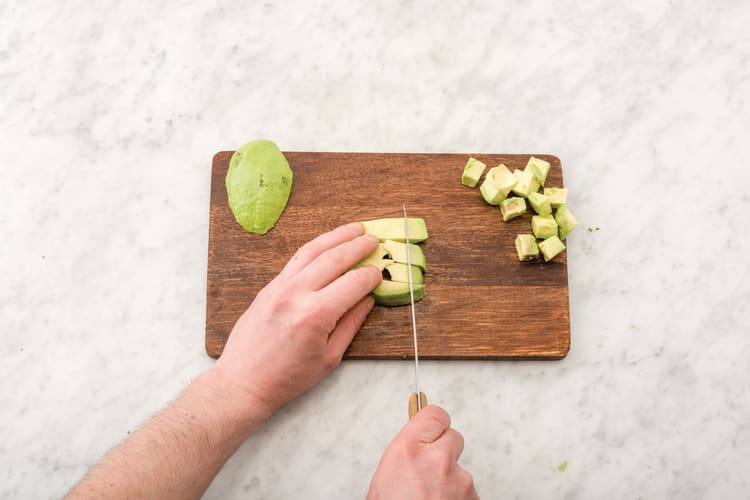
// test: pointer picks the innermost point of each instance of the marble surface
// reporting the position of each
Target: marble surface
(110, 113)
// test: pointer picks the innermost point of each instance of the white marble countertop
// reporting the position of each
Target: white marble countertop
(109, 117)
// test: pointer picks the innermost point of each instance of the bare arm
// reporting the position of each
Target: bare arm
(177, 453)
(310, 312)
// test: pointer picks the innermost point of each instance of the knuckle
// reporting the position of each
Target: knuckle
(316, 315)
(406, 450)
(444, 463)
(332, 361)
(362, 277)
(304, 252)
(334, 257)
(439, 417)
(467, 482)
(312, 310)
(459, 438)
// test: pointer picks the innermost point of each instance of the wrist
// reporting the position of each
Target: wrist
(245, 399)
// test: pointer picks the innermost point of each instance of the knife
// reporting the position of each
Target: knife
(416, 403)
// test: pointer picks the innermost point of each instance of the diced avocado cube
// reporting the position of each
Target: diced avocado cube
(393, 293)
(396, 251)
(393, 229)
(526, 247)
(543, 227)
(490, 192)
(400, 272)
(512, 207)
(472, 172)
(540, 203)
(551, 247)
(539, 168)
(502, 178)
(527, 183)
(557, 196)
(565, 220)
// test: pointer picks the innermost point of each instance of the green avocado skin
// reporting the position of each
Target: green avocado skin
(258, 182)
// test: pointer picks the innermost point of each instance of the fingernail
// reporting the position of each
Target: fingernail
(356, 227)
(371, 238)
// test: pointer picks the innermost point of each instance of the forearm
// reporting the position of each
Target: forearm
(179, 452)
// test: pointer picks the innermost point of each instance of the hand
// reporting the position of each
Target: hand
(422, 462)
(299, 325)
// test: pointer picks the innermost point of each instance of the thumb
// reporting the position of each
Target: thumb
(427, 425)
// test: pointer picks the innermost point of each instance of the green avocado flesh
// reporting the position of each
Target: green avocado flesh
(258, 183)
(512, 207)
(472, 172)
(540, 204)
(373, 260)
(565, 220)
(557, 196)
(491, 193)
(389, 252)
(551, 247)
(539, 168)
(393, 229)
(392, 258)
(526, 247)
(543, 227)
(497, 184)
(527, 183)
(400, 272)
(393, 293)
(553, 220)
(397, 252)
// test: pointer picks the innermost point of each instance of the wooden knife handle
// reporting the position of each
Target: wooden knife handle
(413, 408)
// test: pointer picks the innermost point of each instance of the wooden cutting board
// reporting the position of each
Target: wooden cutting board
(482, 303)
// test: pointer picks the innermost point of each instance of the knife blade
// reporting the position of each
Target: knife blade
(415, 402)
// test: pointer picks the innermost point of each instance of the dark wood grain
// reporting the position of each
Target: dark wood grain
(482, 303)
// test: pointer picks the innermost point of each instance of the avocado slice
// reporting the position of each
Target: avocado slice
(540, 203)
(557, 196)
(512, 207)
(472, 172)
(526, 247)
(543, 227)
(551, 247)
(369, 261)
(393, 293)
(400, 272)
(565, 220)
(539, 168)
(258, 184)
(397, 252)
(393, 229)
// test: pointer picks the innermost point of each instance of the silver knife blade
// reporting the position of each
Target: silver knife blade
(413, 315)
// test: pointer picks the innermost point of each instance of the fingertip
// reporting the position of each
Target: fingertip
(371, 238)
(377, 274)
(355, 227)
(367, 304)
(370, 302)
(428, 424)
(438, 414)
